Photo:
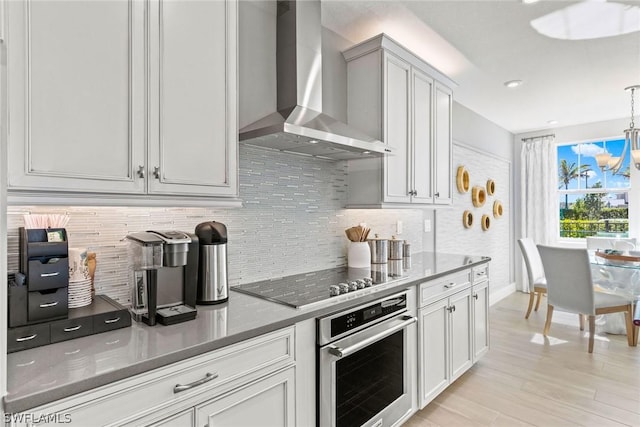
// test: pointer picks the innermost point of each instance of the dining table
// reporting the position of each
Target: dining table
(619, 274)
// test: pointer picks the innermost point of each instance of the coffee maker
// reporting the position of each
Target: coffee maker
(164, 276)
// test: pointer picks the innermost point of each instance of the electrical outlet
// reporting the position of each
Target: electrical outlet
(398, 227)
(427, 225)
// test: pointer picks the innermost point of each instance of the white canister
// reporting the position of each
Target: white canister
(358, 255)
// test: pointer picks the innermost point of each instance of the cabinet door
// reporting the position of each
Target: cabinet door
(422, 137)
(192, 119)
(267, 402)
(77, 95)
(460, 338)
(182, 419)
(480, 319)
(443, 102)
(396, 131)
(433, 360)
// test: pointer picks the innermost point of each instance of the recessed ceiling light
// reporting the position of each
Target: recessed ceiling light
(513, 83)
(529, 1)
(313, 141)
(552, 122)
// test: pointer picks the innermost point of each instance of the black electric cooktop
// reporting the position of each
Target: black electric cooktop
(307, 289)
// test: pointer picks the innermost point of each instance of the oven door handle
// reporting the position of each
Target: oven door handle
(343, 352)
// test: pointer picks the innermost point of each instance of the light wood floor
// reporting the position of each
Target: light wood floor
(527, 380)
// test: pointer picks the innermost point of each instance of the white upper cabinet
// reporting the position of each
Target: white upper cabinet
(396, 97)
(193, 108)
(122, 97)
(442, 166)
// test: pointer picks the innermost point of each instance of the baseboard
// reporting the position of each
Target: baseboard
(501, 293)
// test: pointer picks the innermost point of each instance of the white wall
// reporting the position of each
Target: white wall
(489, 148)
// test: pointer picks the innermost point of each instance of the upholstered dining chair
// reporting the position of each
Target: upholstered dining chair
(570, 288)
(535, 272)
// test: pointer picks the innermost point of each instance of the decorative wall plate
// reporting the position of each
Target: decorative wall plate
(497, 209)
(486, 222)
(462, 179)
(478, 196)
(467, 219)
(491, 187)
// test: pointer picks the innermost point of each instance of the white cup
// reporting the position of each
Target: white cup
(359, 255)
(78, 266)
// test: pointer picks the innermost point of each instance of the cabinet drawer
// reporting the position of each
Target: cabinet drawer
(50, 274)
(480, 273)
(67, 329)
(143, 397)
(110, 321)
(443, 287)
(27, 337)
(48, 306)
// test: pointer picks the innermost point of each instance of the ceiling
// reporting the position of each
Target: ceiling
(482, 44)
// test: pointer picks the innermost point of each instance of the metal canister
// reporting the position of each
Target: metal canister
(406, 249)
(379, 250)
(395, 248)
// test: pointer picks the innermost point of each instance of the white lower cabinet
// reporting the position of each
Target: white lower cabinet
(182, 419)
(269, 402)
(480, 319)
(248, 383)
(452, 330)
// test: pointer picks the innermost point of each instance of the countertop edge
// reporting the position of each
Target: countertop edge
(34, 400)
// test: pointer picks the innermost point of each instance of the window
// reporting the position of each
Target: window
(592, 202)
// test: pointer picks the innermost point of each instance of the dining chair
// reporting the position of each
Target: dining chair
(535, 272)
(570, 288)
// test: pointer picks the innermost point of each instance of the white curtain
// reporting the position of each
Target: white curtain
(539, 192)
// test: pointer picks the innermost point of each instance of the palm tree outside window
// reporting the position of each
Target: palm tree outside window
(591, 202)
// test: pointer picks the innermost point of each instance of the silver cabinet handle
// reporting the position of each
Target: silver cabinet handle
(437, 194)
(342, 352)
(49, 304)
(475, 296)
(450, 285)
(111, 320)
(30, 337)
(73, 328)
(140, 171)
(156, 172)
(180, 387)
(49, 274)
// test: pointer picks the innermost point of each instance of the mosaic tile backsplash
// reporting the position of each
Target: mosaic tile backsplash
(292, 221)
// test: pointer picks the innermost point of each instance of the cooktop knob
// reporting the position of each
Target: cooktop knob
(368, 281)
(334, 290)
(353, 286)
(344, 288)
(360, 283)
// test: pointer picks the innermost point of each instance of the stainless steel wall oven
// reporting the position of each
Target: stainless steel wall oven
(365, 357)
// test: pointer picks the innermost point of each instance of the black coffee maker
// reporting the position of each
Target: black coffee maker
(164, 273)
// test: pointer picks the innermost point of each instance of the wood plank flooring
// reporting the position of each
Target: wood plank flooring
(529, 380)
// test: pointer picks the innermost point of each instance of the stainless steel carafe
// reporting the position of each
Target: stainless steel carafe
(213, 287)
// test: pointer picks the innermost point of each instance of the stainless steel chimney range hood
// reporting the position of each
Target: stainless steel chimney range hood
(299, 126)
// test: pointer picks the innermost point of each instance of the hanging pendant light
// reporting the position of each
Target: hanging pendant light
(631, 138)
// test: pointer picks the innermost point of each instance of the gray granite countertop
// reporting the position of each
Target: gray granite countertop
(45, 374)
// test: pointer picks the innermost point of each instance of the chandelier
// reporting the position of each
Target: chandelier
(606, 162)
